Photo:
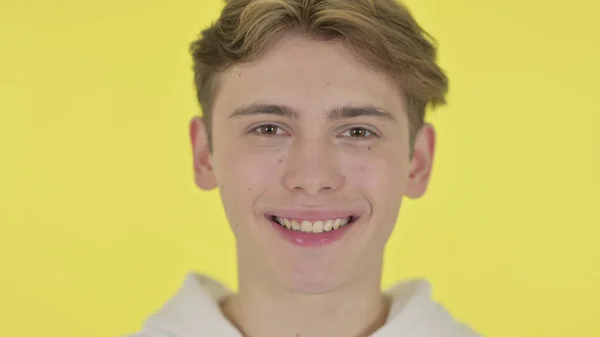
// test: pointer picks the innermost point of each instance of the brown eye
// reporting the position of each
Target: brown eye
(359, 132)
(268, 130)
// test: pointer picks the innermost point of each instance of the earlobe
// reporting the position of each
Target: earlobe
(203, 171)
(421, 162)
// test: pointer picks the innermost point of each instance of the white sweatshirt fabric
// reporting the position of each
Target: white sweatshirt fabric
(194, 312)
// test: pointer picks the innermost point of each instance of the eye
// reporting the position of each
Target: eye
(358, 132)
(269, 130)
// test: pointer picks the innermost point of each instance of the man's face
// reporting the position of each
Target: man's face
(311, 157)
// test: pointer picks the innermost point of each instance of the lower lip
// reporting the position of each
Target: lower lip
(311, 239)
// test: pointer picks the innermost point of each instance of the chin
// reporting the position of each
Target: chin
(311, 277)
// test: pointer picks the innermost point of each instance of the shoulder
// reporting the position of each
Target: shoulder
(193, 311)
(414, 309)
(443, 323)
(151, 334)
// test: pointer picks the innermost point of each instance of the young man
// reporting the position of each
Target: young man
(314, 132)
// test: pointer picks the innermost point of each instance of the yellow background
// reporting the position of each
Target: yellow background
(100, 219)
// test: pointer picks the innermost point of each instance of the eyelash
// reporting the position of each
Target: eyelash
(257, 132)
(369, 132)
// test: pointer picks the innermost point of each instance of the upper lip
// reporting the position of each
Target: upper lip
(313, 215)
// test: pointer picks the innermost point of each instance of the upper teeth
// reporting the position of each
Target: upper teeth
(312, 227)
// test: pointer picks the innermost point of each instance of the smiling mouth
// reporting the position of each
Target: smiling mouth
(319, 226)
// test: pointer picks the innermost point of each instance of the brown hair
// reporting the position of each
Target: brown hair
(382, 33)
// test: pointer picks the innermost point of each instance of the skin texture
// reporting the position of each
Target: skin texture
(309, 162)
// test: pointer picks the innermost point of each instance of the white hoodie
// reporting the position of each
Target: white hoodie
(194, 312)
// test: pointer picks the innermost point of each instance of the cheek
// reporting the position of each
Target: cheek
(376, 175)
(382, 180)
(250, 172)
(243, 177)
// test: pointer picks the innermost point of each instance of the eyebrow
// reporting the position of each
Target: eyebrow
(349, 111)
(343, 112)
(265, 109)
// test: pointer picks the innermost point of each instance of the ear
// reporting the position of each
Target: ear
(203, 172)
(421, 162)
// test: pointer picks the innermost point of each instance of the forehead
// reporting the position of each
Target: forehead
(308, 75)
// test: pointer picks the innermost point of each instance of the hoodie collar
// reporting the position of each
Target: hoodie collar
(194, 310)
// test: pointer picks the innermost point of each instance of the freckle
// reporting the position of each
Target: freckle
(237, 225)
(223, 186)
(328, 84)
(277, 150)
(280, 160)
(240, 74)
(369, 149)
(250, 189)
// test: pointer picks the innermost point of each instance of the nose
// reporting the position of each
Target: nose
(312, 168)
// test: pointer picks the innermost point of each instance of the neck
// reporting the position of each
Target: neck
(355, 310)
